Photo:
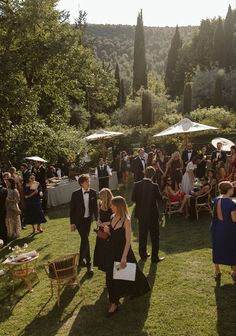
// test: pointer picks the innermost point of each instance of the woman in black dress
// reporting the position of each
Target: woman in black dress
(121, 251)
(201, 166)
(33, 209)
(105, 213)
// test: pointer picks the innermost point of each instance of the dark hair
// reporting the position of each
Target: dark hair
(224, 187)
(233, 148)
(205, 178)
(12, 182)
(149, 172)
(194, 159)
(32, 174)
(24, 165)
(83, 178)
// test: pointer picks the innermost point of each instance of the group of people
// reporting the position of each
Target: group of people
(22, 199)
(113, 242)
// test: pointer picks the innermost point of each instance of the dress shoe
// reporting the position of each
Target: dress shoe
(90, 272)
(110, 314)
(146, 256)
(157, 260)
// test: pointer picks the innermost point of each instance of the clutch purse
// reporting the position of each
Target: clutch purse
(101, 234)
(128, 273)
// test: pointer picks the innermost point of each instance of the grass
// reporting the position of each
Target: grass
(183, 300)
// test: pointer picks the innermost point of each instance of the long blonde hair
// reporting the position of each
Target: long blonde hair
(105, 196)
(120, 203)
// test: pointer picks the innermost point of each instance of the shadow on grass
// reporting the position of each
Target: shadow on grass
(226, 310)
(52, 322)
(61, 211)
(20, 241)
(180, 235)
(91, 318)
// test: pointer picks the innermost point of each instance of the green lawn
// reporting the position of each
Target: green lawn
(183, 300)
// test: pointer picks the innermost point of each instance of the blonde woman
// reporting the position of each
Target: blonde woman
(120, 251)
(174, 169)
(105, 212)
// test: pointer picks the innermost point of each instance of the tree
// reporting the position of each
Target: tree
(122, 91)
(187, 99)
(147, 111)
(176, 44)
(219, 44)
(118, 85)
(229, 40)
(218, 93)
(140, 67)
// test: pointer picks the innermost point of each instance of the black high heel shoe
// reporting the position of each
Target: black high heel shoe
(110, 314)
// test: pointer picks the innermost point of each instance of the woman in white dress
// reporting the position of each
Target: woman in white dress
(188, 177)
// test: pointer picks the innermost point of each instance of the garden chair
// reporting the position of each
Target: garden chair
(170, 207)
(203, 203)
(63, 272)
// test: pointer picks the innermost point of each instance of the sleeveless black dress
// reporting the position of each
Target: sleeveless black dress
(122, 288)
(101, 244)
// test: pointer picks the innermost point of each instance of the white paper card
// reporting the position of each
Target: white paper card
(128, 273)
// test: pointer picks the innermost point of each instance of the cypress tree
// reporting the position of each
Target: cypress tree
(147, 111)
(219, 44)
(140, 66)
(172, 59)
(229, 39)
(187, 99)
(122, 93)
(218, 94)
(117, 78)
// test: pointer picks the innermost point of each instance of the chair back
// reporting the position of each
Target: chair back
(64, 267)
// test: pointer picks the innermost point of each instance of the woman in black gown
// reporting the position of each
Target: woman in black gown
(105, 213)
(121, 251)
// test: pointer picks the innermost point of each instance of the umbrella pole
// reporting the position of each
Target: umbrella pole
(186, 139)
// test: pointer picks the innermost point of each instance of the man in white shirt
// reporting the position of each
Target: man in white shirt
(83, 207)
(103, 173)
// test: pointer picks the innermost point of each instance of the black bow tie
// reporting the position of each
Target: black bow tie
(142, 159)
(86, 192)
(189, 151)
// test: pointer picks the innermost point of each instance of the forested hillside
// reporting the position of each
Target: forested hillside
(114, 43)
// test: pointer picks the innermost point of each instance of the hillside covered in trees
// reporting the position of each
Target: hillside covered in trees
(115, 43)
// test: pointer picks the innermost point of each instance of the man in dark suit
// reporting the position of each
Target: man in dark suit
(103, 173)
(146, 194)
(25, 174)
(83, 207)
(40, 176)
(218, 155)
(188, 154)
(138, 166)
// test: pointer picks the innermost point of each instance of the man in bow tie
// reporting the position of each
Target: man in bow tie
(188, 154)
(83, 207)
(218, 155)
(139, 165)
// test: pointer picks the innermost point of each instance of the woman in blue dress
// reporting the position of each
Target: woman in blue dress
(33, 209)
(224, 231)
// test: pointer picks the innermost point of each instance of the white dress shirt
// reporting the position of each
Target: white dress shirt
(86, 203)
(189, 154)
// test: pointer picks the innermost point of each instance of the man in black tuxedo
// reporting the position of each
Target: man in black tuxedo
(83, 207)
(138, 166)
(25, 174)
(188, 154)
(218, 155)
(103, 173)
(146, 194)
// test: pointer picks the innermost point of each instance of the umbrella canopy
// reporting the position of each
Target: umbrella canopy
(35, 158)
(185, 126)
(101, 135)
(226, 144)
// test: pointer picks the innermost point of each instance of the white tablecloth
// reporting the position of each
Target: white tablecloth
(61, 194)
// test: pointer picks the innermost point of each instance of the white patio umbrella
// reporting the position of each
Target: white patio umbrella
(226, 144)
(101, 135)
(35, 158)
(185, 126)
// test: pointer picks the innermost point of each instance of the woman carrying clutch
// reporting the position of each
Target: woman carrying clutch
(121, 251)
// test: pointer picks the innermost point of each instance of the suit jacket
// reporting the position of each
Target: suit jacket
(137, 169)
(77, 207)
(185, 156)
(223, 156)
(145, 195)
(40, 176)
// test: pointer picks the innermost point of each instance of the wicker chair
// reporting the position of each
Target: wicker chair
(170, 207)
(62, 272)
(203, 203)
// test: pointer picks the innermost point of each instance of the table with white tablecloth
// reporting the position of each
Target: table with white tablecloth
(61, 194)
